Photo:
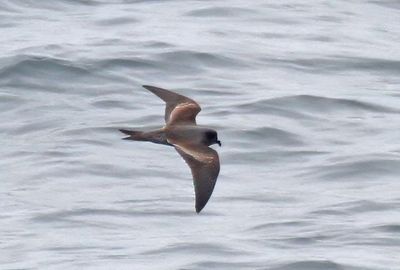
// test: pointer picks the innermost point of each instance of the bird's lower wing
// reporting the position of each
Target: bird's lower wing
(179, 109)
(204, 164)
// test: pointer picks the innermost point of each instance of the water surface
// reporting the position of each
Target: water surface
(304, 97)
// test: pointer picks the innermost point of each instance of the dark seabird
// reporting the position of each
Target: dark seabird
(190, 141)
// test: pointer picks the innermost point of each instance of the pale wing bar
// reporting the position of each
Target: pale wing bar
(204, 164)
(179, 109)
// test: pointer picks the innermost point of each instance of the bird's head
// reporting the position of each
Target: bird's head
(211, 137)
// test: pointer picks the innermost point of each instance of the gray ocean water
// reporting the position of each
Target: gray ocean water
(305, 97)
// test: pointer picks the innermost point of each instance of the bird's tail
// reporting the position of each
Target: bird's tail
(134, 135)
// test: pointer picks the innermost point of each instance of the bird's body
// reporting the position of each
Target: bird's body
(190, 141)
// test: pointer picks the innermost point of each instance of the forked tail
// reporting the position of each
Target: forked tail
(155, 136)
(133, 135)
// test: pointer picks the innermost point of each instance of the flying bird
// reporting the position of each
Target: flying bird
(189, 140)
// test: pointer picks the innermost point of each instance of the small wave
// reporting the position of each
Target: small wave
(72, 132)
(263, 132)
(31, 127)
(387, 4)
(328, 212)
(316, 265)
(368, 64)
(389, 228)
(110, 104)
(133, 63)
(266, 107)
(267, 156)
(27, 67)
(280, 225)
(362, 206)
(221, 12)
(364, 169)
(10, 102)
(57, 6)
(264, 136)
(264, 198)
(8, 6)
(157, 44)
(196, 248)
(355, 207)
(304, 240)
(224, 264)
(114, 22)
(338, 64)
(310, 103)
(199, 59)
(73, 215)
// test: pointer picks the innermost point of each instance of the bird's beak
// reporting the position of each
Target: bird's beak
(219, 143)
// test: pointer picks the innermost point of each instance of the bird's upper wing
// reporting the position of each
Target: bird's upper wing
(204, 164)
(179, 109)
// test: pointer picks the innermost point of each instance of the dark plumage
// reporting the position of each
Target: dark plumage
(190, 141)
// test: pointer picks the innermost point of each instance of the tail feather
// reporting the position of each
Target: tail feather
(155, 136)
(133, 135)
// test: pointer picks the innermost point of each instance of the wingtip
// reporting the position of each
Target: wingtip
(198, 209)
(151, 88)
(148, 87)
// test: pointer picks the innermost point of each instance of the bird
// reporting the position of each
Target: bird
(190, 140)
